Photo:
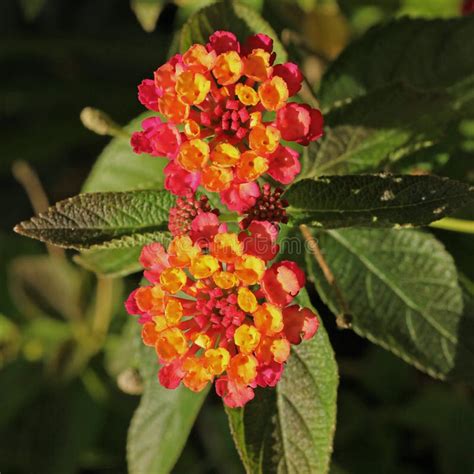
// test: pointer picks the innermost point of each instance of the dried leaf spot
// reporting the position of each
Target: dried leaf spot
(387, 195)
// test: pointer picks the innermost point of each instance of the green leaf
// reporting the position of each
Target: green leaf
(375, 200)
(118, 168)
(377, 130)
(161, 423)
(291, 428)
(230, 16)
(110, 262)
(426, 54)
(402, 291)
(105, 220)
(434, 8)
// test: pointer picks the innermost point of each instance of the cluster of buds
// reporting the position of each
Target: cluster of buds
(187, 208)
(269, 206)
(227, 118)
(218, 307)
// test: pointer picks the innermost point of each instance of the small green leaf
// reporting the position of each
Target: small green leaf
(230, 16)
(402, 291)
(105, 220)
(118, 168)
(375, 200)
(426, 54)
(162, 421)
(291, 428)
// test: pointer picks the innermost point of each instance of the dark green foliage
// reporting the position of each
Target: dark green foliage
(375, 200)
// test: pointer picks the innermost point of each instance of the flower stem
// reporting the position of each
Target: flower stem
(455, 225)
(31, 183)
(230, 217)
(103, 308)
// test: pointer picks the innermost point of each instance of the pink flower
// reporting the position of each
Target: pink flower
(170, 375)
(157, 138)
(180, 181)
(300, 123)
(282, 282)
(234, 394)
(223, 41)
(291, 74)
(300, 324)
(154, 256)
(284, 164)
(140, 143)
(262, 240)
(269, 375)
(258, 41)
(204, 227)
(147, 94)
(240, 197)
(316, 127)
(131, 305)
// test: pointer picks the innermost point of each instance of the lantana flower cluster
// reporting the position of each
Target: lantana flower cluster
(215, 309)
(226, 118)
(219, 307)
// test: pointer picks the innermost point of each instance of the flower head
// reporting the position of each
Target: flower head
(227, 111)
(210, 315)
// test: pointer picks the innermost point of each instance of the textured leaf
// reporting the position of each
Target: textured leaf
(119, 261)
(109, 220)
(375, 200)
(290, 429)
(161, 423)
(426, 54)
(378, 129)
(231, 16)
(402, 291)
(118, 168)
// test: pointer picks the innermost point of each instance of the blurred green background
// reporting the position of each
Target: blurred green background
(66, 394)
